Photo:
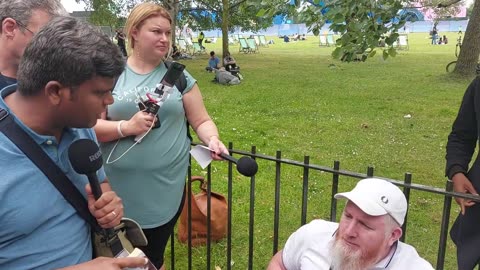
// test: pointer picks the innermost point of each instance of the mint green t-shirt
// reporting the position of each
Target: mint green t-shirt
(150, 178)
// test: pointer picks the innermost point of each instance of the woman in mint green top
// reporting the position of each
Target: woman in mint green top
(150, 176)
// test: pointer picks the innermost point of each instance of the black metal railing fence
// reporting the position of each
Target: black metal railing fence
(307, 168)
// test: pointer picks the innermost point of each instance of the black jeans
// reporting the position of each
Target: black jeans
(158, 238)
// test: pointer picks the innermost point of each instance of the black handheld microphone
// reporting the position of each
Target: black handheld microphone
(86, 158)
(245, 165)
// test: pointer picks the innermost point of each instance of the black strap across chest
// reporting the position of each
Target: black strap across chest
(57, 177)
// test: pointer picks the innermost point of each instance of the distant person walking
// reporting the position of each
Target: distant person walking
(434, 35)
(201, 37)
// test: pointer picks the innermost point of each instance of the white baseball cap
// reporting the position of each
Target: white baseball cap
(377, 197)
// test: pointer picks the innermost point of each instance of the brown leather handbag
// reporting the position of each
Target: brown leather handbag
(218, 216)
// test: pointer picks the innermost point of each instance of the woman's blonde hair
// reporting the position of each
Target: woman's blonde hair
(139, 14)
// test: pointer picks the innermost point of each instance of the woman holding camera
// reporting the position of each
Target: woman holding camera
(150, 176)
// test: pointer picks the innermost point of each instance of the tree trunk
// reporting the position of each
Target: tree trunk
(225, 23)
(468, 58)
(172, 7)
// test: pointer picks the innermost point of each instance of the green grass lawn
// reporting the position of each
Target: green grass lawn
(297, 99)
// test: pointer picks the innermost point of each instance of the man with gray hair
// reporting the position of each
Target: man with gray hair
(366, 238)
(20, 20)
(65, 81)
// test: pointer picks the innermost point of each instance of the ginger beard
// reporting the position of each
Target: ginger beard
(345, 257)
(362, 240)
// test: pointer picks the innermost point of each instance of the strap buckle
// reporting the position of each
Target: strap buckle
(3, 114)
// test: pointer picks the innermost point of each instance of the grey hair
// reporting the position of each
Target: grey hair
(390, 225)
(69, 51)
(21, 10)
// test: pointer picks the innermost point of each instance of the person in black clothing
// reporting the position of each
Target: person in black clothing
(176, 54)
(121, 41)
(445, 39)
(229, 62)
(460, 148)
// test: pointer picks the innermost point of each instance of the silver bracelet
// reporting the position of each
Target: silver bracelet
(119, 129)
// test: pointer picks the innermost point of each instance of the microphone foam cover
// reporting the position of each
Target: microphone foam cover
(85, 156)
(173, 73)
(247, 166)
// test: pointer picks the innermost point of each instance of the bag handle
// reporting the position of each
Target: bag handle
(201, 179)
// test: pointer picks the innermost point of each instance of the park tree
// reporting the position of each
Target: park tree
(470, 9)
(228, 15)
(468, 57)
(199, 14)
(114, 12)
(106, 13)
(173, 7)
(361, 23)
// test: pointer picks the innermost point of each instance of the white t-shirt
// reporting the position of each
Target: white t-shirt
(308, 249)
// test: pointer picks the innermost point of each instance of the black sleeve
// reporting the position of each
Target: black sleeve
(464, 135)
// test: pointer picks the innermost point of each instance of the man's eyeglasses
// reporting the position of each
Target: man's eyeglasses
(19, 23)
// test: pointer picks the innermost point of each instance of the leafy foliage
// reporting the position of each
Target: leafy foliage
(106, 12)
(207, 14)
(198, 14)
(360, 23)
(440, 9)
(470, 10)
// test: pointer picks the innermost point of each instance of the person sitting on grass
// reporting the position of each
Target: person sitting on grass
(366, 238)
(229, 62)
(224, 77)
(213, 62)
(176, 54)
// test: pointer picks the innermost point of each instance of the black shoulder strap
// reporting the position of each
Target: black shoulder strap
(181, 83)
(58, 178)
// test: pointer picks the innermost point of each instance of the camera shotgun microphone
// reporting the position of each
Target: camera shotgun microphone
(163, 91)
(168, 81)
(245, 165)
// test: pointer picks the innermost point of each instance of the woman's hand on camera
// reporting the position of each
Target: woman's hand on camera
(138, 124)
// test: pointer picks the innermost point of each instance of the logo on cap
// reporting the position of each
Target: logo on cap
(384, 199)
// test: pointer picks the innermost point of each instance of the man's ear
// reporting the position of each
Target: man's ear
(395, 235)
(8, 27)
(56, 92)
